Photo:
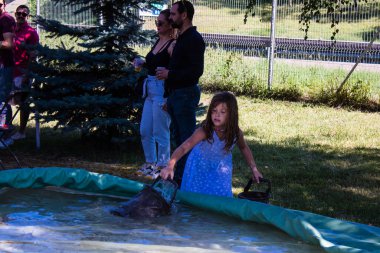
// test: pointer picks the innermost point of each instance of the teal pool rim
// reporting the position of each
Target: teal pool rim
(331, 234)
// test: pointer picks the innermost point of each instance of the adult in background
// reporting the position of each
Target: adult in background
(26, 36)
(182, 77)
(155, 121)
(7, 29)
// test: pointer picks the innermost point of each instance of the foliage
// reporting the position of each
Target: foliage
(232, 71)
(352, 95)
(32, 4)
(88, 83)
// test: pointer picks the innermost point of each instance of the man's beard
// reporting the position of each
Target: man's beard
(175, 25)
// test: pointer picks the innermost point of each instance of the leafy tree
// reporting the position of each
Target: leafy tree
(32, 4)
(312, 10)
(91, 86)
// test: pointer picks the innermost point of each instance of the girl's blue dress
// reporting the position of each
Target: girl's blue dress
(208, 169)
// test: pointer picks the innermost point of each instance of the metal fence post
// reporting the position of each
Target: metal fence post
(36, 115)
(272, 43)
(359, 59)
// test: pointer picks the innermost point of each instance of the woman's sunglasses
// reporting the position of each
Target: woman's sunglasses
(19, 13)
(159, 23)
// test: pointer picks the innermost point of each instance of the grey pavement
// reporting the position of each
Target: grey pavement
(12, 5)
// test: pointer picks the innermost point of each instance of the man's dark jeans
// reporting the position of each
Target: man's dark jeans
(6, 80)
(182, 104)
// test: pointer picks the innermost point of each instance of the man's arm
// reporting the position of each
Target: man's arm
(7, 43)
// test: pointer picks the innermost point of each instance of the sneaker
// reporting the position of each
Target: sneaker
(145, 169)
(154, 173)
(18, 136)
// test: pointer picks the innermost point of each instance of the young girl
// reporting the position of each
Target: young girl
(208, 168)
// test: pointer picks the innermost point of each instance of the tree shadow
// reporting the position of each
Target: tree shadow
(348, 13)
(341, 184)
(369, 35)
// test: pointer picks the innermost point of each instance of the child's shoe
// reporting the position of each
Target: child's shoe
(154, 173)
(145, 169)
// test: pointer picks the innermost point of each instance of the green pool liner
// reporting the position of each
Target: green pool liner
(331, 234)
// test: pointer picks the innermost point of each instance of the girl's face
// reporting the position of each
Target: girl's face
(163, 25)
(219, 116)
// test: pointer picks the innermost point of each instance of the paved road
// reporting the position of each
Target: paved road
(12, 5)
(286, 48)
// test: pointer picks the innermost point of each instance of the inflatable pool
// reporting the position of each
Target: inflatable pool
(38, 220)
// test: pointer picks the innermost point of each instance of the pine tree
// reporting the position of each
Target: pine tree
(91, 86)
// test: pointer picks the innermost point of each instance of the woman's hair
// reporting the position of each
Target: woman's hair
(166, 14)
(232, 123)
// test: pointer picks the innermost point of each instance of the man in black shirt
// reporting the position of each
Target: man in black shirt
(182, 76)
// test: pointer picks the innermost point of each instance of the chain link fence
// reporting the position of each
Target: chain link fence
(221, 23)
(66, 14)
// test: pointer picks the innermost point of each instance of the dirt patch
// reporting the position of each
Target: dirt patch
(36, 161)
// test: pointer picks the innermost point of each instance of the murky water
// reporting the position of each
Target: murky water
(52, 221)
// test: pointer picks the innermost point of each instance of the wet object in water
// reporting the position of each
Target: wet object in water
(153, 201)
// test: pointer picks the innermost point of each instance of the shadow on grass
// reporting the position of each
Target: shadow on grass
(69, 148)
(338, 183)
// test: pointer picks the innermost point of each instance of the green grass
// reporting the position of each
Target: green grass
(292, 80)
(319, 159)
(246, 75)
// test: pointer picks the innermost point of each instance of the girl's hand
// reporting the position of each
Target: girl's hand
(256, 175)
(167, 172)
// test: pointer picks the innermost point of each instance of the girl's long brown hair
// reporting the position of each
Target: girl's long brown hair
(232, 125)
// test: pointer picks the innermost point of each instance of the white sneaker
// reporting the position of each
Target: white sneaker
(145, 169)
(154, 173)
(18, 136)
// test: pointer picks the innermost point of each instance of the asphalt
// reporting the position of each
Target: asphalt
(12, 5)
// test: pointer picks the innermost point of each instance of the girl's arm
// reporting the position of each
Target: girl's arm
(198, 135)
(246, 151)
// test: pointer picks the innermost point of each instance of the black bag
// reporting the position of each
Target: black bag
(153, 201)
(256, 195)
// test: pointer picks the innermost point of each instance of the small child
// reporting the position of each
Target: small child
(208, 168)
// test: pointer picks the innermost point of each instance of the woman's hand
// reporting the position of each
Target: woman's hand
(162, 73)
(167, 173)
